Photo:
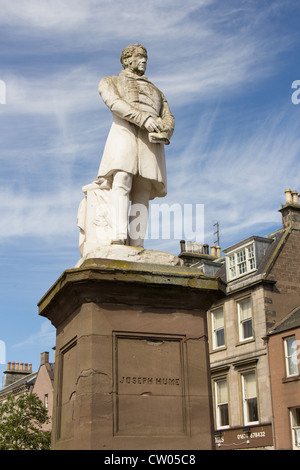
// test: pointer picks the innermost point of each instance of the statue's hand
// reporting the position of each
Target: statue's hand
(151, 125)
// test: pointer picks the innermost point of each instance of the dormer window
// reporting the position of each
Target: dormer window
(245, 257)
(241, 262)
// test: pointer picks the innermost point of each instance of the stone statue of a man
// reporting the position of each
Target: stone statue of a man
(133, 162)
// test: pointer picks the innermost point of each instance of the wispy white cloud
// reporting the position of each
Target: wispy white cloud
(68, 91)
(69, 15)
(46, 215)
(196, 48)
(41, 15)
(242, 176)
(45, 337)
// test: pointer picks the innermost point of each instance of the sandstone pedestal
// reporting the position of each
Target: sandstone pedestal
(131, 366)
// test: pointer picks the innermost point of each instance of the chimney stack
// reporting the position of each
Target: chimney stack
(16, 371)
(192, 252)
(290, 211)
(44, 358)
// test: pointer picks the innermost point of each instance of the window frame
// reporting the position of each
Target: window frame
(245, 400)
(214, 330)
(295, 427)
(240, 329)
(217, 405)
(288, 356)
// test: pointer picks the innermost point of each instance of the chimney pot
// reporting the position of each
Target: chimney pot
(195, 247)
(294, 197)
(205, 249)
(189, 246)
(288, 196)
(218, 248)
(8, 365)
(213, 250)
(182, 246)
(30, 367)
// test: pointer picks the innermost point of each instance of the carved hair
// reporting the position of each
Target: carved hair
(128, 52)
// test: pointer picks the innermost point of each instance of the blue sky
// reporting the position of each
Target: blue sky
(226, 68)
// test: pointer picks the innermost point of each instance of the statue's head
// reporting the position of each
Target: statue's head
(134, 58)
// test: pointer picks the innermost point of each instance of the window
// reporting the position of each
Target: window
(232, 267)
(249, 396)
(46, 401)
(295, 424)
(251, 257)
(221, 403)
(244, 319)
(291, 361)
(217, 323)
(241, 262)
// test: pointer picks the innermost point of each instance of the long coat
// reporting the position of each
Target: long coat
(132, 99)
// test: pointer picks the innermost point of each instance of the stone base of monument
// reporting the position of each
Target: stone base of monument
(131, 365)
(131, 253)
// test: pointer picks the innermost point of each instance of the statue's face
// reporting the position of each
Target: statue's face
(137, 63)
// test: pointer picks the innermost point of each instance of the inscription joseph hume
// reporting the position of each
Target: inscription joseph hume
(150, 380)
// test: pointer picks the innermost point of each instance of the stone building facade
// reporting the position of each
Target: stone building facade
(262, 279)
(284, 349)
